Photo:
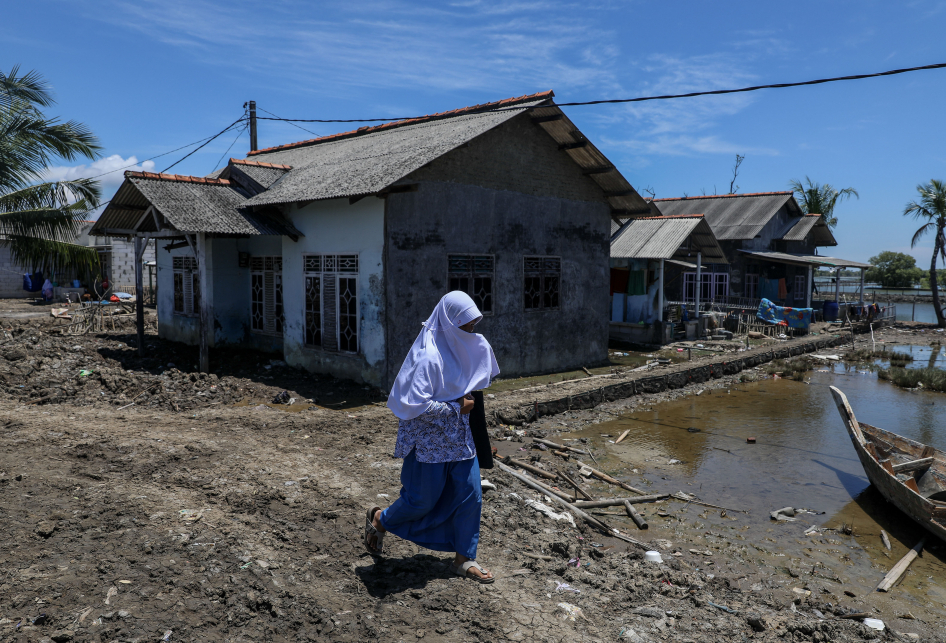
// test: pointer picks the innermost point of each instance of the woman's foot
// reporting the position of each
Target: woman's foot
(374, 537)
(480, 573)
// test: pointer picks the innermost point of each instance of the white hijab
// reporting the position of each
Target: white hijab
(445, 363)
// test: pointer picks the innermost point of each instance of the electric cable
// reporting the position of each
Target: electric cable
(612, 101)
(287, 120)
(208, 141)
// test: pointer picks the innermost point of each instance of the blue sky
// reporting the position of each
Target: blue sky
(152, 75)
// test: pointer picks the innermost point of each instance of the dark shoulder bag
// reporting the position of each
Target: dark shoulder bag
(484, 452)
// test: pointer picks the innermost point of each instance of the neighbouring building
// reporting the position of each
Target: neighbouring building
(334, 250)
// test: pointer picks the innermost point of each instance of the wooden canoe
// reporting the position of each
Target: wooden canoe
(907, 473)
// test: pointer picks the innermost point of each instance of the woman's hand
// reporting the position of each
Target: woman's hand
(466, 405)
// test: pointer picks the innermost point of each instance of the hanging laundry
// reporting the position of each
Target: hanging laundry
(782, 289)
(618, 280)
(637, 283)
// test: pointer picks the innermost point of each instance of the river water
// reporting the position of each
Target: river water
(924, 312)
(802, 457)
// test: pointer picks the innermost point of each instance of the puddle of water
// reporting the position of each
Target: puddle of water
(802, 457)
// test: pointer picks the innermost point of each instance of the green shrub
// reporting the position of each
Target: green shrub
(931, 378)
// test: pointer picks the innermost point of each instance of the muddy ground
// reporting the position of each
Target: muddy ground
(187, 517)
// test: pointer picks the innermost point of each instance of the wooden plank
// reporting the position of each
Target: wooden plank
(913, 465)
(901, 567)
(910, 483)
(623, 435)
(887, 466)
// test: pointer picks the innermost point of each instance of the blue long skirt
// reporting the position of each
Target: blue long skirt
(439, 507)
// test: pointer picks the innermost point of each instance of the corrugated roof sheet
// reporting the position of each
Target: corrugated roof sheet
(369, 163)
(188, 204)
(731, 216)
(805, 260)
(672, 237)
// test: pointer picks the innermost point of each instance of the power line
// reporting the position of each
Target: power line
(196, 149)
(716, 92)
(177, 149)
(239, 134)
(285, 119)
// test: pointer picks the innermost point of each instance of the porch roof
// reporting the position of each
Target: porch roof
(667, 237)
(805, 260)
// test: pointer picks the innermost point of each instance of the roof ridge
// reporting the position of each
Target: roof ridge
(722, 196)
(275, 166)
(671, 216)
(181, 178)
(484, 107)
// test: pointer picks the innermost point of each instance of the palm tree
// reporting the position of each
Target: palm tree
(932, 209)
(821, 199)
(39, 219)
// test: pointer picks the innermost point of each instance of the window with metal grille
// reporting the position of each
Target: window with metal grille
(752, 285)
(266, 308)
(186, 286)
(714, 286)
(542, 283)
(331, 302)
(801, 287)
(473, 274)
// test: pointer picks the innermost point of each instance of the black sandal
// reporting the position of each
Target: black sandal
(370, 530)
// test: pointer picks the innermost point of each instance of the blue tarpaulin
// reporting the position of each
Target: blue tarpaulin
(784, 316)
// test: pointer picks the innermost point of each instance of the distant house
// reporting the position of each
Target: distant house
(332, 251)
(770, 243)
(116, 263)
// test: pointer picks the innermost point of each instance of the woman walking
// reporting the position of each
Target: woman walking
(440, 502)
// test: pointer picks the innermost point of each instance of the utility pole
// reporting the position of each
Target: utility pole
(253, 146)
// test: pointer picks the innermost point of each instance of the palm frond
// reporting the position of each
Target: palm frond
(31, 88)
(52, 195)
(51, 256)
(920, 233)
(29, 142)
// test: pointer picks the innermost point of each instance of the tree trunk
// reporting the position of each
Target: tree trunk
(934, 287)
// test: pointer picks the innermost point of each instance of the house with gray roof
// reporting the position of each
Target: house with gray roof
(757, 232)
(333, 251)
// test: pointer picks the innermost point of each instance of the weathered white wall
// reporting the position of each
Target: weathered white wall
(177, 328)
(337, 227)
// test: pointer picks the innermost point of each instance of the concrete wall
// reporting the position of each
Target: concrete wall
(338, 227)
(122, 268)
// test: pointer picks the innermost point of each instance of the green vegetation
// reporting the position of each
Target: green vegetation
(932, 209)
(790, 369)
(39, 219)
(931, 378)
(820, 199)
(895, 358)
(894, 270)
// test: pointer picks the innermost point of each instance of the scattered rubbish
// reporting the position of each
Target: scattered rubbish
(545, 509)
(383, 495)
(283, 398)
(785, 514)
(901, 567)
(623, 435)
(572, 612)
(874, 623)
(653, 557)
(167, 636)
(565, 587)
(85, 373)
(111, 592)
(801, 592)
(486, 485)
(885, 539)
(673, 461)
(750, 440)
(125, 582)
(576, 561)
(693, 429)
(848, 592)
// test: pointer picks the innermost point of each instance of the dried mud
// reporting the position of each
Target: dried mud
(187, 518)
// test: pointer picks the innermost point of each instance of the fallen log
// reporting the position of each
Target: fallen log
(560, 447)
(616, 502)
(528, 467)
(636, 517)
(901, 567)
(603, 476)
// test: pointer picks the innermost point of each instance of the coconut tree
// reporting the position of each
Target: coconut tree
(931, 208)
(820, 198)
(39, 219)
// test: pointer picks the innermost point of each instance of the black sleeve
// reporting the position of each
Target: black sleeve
(484, 452)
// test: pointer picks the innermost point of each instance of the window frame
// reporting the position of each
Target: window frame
(473, 275)
(801, 286)
(542, 275)
(187, 268)
(343, 266)
(278, 321)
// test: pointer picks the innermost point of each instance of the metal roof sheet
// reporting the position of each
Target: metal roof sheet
(674, 237)
(732, 216)
(805, 260)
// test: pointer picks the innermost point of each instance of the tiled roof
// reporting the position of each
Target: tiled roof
(508, 102)
(181, 178)
(274, 166)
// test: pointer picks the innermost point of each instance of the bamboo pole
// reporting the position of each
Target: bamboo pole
(577, 488)
(560, 447)
(615, 502)
(528, 467)
(609, 479)
(901, 567)
(636, 517)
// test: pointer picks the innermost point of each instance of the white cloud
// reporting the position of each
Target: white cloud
(108, 171)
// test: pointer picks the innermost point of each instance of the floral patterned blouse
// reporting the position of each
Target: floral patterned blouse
(441, 434)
